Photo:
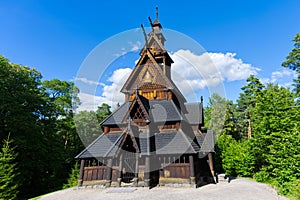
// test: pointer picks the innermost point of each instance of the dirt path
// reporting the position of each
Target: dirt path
(237, 189)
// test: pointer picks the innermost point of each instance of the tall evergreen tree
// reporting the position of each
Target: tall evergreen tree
(276, 135)
(293, 61)
(8, 171)
(245, 105)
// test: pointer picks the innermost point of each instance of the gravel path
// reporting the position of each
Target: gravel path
(236, 189)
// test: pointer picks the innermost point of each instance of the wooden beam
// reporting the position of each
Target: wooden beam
(108, 172)
(106, 129)
(147, 172)
(192, 170)
(120, 170)
(211, 163)
(136, 173)
(80, 180)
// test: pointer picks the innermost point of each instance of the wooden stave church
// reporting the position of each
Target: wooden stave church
(155, 137)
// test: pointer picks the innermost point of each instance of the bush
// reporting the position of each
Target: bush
(73, 178)
(294, 190)
(262, 177)
(237, 158)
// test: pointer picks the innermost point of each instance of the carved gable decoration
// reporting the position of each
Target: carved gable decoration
(148, 77)
(138, 111)
(150, 72)
(156, 43)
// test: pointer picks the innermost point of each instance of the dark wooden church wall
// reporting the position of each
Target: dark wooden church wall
(174, 166)
(94, 170)
(94, 173)
(202, 171)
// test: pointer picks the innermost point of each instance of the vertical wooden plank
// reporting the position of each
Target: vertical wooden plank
(136, 172)
(211, 163)
(94, 174)
(120, 166)
(192, 171)
(81, 174)
(89, 175)
(147, 172)
(119, 179)
(108, 172)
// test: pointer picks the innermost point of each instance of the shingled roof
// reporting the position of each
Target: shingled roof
(117, 116)
(160, 111)
(194, 113)
(99, 147)
(175, 143)
(206, 141)
(164, 111)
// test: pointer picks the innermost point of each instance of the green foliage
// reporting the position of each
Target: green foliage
(73, 177)
(8, 171)
(277, 137)
(293, 61)
(245, 105)
(221, 145)
(262, 176)
(20, 98)
(272, 154)
(87, 126)
(103, 111)
(216, 112)
(62, 95)
(237, 159)
(293, 189)
(39, 116)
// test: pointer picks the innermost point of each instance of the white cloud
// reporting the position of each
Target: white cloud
(232, 68)
(90, 82)
(280, 74)
(89, 101)
(111, 92)
(131, 47)
(135, 46)
(192, 72)
(283, 77)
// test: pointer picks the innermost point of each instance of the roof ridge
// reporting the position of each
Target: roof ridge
(157, 40)
(140, 103)
(176, 110)
(187, 140)
(151, 57)
(112, 113)
(112, 146)
(86, 148)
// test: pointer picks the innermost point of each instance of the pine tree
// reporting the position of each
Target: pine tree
(8, 171)
(293, 61)
(73, 178)
(276, 137)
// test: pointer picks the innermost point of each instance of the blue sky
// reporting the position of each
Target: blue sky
(55, 37)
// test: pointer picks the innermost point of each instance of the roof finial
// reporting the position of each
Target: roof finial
(156, 12)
